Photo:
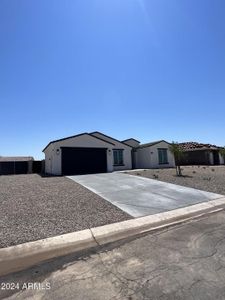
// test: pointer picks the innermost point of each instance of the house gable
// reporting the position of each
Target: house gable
(152, 144)
(131, 142)
(76, 136)
(147, 155)
(107, 138)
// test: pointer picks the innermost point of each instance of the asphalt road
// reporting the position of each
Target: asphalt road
(183, 262)
(140, 196)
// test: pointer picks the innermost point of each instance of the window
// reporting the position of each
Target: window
(163, 157)
(118, 157)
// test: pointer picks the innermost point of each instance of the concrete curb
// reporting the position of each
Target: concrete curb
(25, 255)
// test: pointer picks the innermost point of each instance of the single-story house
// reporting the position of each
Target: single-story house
(200, 154)
(96, 152)
(15, 165)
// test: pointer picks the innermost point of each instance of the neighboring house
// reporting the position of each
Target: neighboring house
(15, 165)
(200, 154)
(153, 155)
(96, 152)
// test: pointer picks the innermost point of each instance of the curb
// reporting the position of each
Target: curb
(23, 256)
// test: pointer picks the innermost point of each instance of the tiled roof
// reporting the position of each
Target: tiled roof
(16, 158)
(197, 146)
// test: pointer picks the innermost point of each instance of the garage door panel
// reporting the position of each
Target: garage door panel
(83, 160)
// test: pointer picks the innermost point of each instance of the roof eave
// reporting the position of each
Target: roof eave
(74, 136)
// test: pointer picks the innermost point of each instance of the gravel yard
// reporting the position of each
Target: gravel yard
(207, 178)
(35, 207)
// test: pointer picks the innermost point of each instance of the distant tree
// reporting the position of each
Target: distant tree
(222, 153)
(177, 153)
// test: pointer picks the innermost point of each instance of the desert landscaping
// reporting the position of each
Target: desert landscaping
(35, 207)
(207, 178)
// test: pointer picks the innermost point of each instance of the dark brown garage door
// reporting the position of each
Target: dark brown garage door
(77, 161)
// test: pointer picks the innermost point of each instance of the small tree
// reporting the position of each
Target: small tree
(177, 153)
(222, 153)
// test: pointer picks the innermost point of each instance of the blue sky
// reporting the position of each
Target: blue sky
(148, 69)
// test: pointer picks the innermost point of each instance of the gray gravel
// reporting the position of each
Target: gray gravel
(206, 178)
(35, 207)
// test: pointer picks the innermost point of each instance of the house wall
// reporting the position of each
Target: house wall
(126, 159)
(155, 159)
(118, 145)
(53, 153)
(48, 159)
(147, 157)
(143, 158)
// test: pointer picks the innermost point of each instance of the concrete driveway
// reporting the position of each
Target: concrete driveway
(140, 196)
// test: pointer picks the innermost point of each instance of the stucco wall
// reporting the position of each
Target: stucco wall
(48, 159)
(53, 153)
(148, 157)
(155, 159)
(143, 158)
(127, 160)
(126, 153)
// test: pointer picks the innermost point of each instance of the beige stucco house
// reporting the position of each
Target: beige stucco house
(98, 153)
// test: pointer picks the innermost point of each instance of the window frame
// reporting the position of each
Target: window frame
(118, 158)
(163, 161)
